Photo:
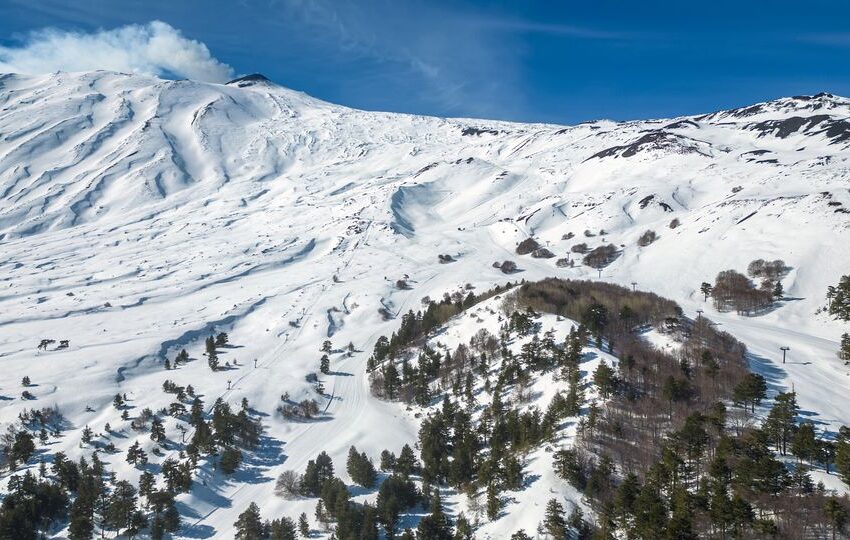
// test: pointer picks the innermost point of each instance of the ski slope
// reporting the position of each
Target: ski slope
(139, 215)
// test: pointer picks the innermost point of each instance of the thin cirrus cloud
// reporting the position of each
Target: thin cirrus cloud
(827, 38)
(155, 48)
(558, 29)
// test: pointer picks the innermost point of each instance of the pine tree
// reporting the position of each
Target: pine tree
(157, 430)
(147, 484)
(282, 529)
(87, 435)
(605, 379)
(627, 493)
(303, 525)
(230, 459)
(166, 518)
(321, 515)
(780, 423)
(23, 447)
(650, 513)
(804, 445)
(249, 525)
(844, 350)
(681, 525)
(436, 525)
(133, 453)
(88, 487)
(391, 380)
(494, 504)
(209, 345)
(212, 360)
(406, 464)
(121, 512)
(837, 514)
(839, 299)
(463, 529)
(554, 523)
(369, 526)
(706, 290)
(842, 454)
(582, 529)
(360, 468)
(750, 391)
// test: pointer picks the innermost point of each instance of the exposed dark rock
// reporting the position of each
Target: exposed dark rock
(249, 80)
(654, 140)
(643, 203)
(467, 131)
(682, 124)
(788, 126)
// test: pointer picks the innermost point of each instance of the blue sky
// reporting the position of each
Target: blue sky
(562, 62)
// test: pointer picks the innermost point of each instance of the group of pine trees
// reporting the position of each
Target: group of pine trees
(415, 326)
(211, 346)
(250, 526)
(397, 494)
(89, 499)
(838, 305)
(664, 418)
(483, 457)
(838, 298)
(86, 496)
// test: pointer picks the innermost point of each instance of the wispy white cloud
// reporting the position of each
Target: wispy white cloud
(840, 39)
(155, 48)
(559, 29)
(436, 55)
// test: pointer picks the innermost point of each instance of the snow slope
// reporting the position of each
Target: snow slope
(137, 215)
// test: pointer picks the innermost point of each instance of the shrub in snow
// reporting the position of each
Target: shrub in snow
(601, 256)
(769, 270)
(647, 238)
(527, 246)
(734, 291)
(508, 267)
(288, 484)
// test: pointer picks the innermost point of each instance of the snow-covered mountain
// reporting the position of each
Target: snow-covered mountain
(138, 215)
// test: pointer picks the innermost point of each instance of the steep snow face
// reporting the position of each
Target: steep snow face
(137, 215)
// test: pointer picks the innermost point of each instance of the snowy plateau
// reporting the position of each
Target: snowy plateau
(138, 216)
